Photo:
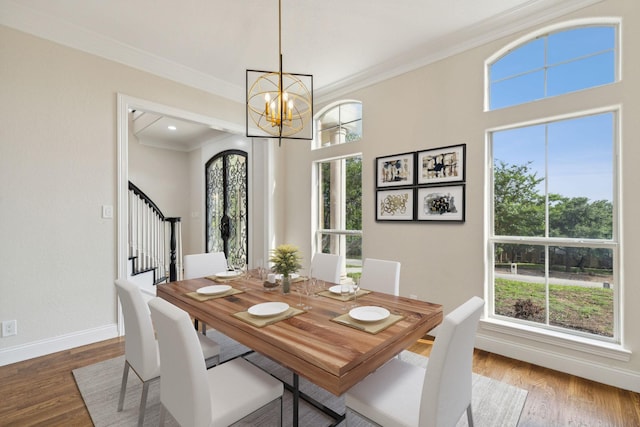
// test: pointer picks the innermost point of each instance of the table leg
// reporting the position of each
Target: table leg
(296, 398)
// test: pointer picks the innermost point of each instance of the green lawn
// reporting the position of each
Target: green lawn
(574, 307)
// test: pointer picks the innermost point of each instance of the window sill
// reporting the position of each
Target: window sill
(571, 342)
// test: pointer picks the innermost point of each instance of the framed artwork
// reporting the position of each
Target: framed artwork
(395, 171)
(441, 203)
(395, 205)
(440, 165)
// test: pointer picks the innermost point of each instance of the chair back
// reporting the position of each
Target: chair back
(446, 393)
(141, 348)
(327, 267)
(202, 265)
(184, 389)
(381, 276)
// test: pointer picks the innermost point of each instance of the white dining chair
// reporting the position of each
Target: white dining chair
(195, 396)
(141, 347)
(327, 267)
(203, 265)
(381, 276)
(402, 394)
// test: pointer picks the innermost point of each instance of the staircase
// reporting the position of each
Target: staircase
(155, 243)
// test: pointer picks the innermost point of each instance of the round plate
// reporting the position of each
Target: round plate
(267, 309)
(337, 289)
(228, 274)
(369, 313)
(213, 289)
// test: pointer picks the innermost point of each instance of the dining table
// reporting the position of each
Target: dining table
(323, 343)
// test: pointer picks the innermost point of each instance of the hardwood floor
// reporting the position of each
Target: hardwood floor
(42, 391)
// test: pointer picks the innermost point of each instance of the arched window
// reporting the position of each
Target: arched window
(552, 63)
(339, 123)
(553, 231)
(338, 185)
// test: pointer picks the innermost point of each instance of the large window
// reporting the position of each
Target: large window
(554, 244)
(338, 182)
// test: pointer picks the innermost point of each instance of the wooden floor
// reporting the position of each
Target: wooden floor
(43, 392)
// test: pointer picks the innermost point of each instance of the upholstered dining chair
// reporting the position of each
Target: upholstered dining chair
(141, 347)
(381, 276)
(402, 394)
(202, 265)
(327, 267)
(195, 396)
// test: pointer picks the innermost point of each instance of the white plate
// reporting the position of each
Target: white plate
(228, 274)
(369, 313)
(267, 309)
(213, 290)
(337, 289)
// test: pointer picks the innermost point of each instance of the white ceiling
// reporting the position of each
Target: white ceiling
(209, 44)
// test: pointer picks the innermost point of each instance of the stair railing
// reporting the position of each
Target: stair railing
(155, 241)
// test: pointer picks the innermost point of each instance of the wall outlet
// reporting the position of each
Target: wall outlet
(107, 211)
(9, 328)
(413, 296)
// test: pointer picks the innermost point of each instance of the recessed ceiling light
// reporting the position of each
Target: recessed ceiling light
(172, 127)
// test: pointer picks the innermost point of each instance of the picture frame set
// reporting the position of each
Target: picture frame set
(427, 185)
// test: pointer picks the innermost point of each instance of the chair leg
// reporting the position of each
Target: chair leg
(123, 387)
(469, 416)
(143, 402)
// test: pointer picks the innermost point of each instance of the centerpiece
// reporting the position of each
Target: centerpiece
(286, 261)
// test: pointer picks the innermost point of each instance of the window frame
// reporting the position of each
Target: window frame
(322, 154)
(562, 26)
(317, 143)
(503, 119)
(613, 244)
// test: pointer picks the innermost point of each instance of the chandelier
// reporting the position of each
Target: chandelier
(279, 105)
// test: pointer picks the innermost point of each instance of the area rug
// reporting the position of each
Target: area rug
(495, 404)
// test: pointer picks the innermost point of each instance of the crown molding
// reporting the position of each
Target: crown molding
(526, 16)
(532, 13)
(27, 20)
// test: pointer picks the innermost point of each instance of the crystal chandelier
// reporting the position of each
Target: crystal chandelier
(279, 105)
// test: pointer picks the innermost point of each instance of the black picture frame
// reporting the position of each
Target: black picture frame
(395, 204)
(397, 170)
(441, 165)
(444, 203)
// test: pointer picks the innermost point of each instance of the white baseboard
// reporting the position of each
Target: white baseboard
(605, 374)
(52, 345)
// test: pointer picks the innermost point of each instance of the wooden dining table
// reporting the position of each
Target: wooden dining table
(331, 355)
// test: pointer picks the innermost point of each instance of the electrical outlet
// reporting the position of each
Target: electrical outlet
(107, 211)
(9, 328)
(413, 296)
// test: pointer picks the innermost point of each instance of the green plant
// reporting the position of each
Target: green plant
(286, 260)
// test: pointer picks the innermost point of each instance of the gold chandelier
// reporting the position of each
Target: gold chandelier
(279, 105)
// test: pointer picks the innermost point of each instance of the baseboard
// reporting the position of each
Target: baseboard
(52, 345)
(605, 374)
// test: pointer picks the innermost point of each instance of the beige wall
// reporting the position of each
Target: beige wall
(440, 105)
(58, 166)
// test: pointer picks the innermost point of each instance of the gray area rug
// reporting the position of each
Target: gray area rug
(495, 404)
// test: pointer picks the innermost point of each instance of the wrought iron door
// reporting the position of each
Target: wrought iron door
(227, 225)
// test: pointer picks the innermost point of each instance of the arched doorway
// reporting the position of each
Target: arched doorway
(227, 225)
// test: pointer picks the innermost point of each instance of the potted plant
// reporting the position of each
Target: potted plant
(286, 261)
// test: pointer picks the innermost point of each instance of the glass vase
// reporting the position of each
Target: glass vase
(286, 284)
